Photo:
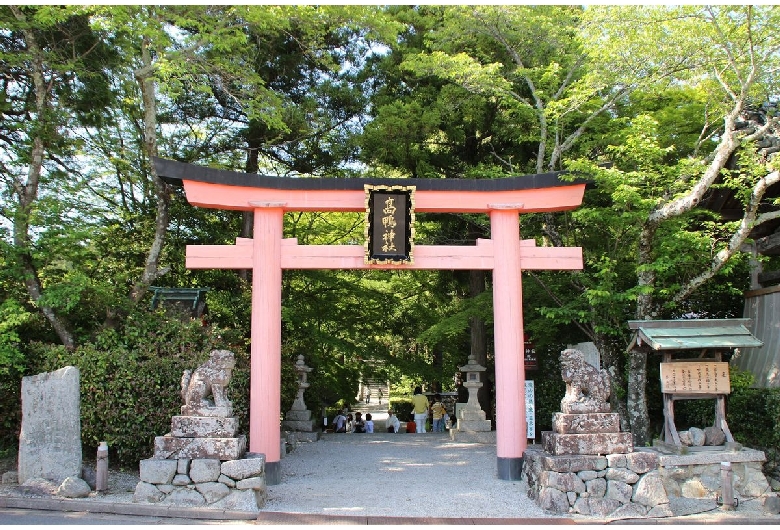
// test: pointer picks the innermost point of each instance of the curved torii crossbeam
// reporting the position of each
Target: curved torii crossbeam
(267, 254)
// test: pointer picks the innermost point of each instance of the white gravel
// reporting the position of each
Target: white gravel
(413, 475)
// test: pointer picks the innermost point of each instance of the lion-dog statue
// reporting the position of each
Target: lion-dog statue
(205, 390)
(587, 387)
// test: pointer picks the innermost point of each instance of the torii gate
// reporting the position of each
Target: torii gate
(267, 254)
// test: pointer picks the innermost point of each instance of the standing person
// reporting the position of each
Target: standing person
(340, 423)
(392, 423)
(421, 406)
(380, 396)
(369, 423)
(368, 394)
(438, 411)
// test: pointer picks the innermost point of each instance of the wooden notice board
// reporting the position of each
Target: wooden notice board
(695, 378)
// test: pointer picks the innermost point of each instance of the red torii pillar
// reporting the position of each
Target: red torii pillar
(267, 254)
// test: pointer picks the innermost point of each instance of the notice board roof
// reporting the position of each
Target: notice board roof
(693, 334)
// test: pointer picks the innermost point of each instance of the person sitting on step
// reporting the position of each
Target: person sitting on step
(360, 425)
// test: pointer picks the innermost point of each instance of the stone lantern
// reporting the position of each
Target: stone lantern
(471, 417)
(298, 418)
(303, 372)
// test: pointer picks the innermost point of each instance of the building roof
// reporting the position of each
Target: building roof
(693, 334)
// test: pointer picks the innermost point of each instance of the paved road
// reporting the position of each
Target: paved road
(21, 517)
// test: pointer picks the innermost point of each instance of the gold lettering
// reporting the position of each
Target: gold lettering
(389, 221)
(389, 206)
(389, 240)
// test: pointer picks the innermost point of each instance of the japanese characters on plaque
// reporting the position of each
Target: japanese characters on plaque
(530, 411)
(389, 224)
(695, 378)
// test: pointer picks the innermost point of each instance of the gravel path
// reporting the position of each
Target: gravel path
(414, 475)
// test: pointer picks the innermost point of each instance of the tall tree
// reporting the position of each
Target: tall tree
(729, 53)
(52, 73)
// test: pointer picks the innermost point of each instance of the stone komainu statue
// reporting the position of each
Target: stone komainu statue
(587, 387)
(204, 390)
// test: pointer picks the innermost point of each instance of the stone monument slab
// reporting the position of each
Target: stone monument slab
(50, 437)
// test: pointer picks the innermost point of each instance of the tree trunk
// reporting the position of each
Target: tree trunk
(612, 361)
(637, 372)
(27, 192)
(478, 334)
(638, 415)
(151, 272)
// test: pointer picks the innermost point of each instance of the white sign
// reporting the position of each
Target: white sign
(530, 411)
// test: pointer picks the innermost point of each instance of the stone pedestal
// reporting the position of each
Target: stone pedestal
(203, 427)
(586, 423)
(171, 447)
(201, 437)
(471, 420)
(587, 444)
(596, 433)
(299, 420)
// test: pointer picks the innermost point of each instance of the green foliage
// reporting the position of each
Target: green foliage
(476, 92)
(131, 378)
(12, 315)
(403, 408)
(549, 388)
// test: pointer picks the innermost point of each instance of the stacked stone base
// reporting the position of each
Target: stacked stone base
(587, 444)
(613, 485)
(201, 437)
(206, 482)
(594, 433)
(300, 427)
(473, 427)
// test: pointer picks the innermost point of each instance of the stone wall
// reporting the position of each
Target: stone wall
(698, 475)
(229, 485)
(644, 483)
(616, 485)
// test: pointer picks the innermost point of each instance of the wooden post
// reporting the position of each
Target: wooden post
(509, 344)
(266, 382)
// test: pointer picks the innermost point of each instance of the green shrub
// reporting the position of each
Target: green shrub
(131, 379)
(753, 416)
(402, 407)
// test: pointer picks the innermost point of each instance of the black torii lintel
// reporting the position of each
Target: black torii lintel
(174, 173)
